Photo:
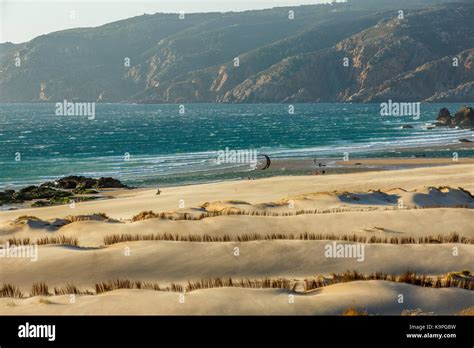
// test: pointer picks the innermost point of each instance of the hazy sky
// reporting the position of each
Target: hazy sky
(23, 20)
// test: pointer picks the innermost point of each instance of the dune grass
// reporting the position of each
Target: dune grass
(131, 284)
(90, 217)
(40, 289)
(408, 278)
(266, 283)
(69, 219)
(70, 289)
(146, 215)
(206, 238)
(291, 285)
(10, 290)
(61, 240)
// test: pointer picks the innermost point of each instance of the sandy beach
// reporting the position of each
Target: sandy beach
(209, 167)
(278, 229)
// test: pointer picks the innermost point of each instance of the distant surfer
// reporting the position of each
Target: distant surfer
(319, 163)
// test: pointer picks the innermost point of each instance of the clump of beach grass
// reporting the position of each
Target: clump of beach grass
(10, 290)
(89, 217)
(266, 283)
(125, 284)
(71, 289)
(39, 289)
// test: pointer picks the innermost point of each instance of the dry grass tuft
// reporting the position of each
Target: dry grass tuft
(10, 290)
(266, 283)
(468, 311)
(70, 289)
(145, 215)
(102, 215)
(125, 284)
(352, 312)
(39, 289)
(90, 217)
(27, 217)
(19, 241)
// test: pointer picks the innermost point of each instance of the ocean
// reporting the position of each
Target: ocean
(147, 145)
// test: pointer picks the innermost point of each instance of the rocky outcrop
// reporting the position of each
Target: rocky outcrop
(82, 182)
(71, 182)
(9, 197)
(32, 193)
(109, 183)
(59, 191)
(464, 118)
(444, 118)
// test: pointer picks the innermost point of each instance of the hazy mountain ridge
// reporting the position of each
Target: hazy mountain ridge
(176, 60)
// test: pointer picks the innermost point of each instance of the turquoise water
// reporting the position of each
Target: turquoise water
(167, 147)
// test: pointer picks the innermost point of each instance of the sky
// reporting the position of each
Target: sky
(22, 20)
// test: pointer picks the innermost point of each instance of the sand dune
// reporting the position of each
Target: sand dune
(375, 297)
(182, 261)
(433, 203)
(130, 203)
(398, 223)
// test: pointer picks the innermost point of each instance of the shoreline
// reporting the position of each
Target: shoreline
(335, 164)
(280, 168)
(303, 165)
(343, 172)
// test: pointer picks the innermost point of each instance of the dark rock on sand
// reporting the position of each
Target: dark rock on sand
(71, 182)
(110, 183)
(464, 140)
(81, 190)
(464, 118)
(7, 197)
(59, 191)
(34, 192)
(63, 200)
(75, 182)
(444, 117)
(30, 193)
